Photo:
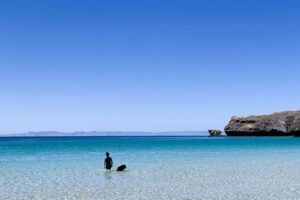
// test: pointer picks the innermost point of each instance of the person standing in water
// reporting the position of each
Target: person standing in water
(108, 162)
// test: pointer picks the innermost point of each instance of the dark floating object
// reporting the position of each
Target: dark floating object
(121, 168)
(214, 132)
(276, 124)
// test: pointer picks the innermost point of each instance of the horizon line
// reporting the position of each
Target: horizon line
(105, 133)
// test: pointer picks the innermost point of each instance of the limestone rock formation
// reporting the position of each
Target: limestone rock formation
(214, 132)
(276, 124)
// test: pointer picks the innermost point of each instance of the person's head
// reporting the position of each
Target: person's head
(107, 154)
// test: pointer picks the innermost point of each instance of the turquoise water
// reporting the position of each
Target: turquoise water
(158, 168)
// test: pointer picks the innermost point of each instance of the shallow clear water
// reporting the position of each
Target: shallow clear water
(158, 168)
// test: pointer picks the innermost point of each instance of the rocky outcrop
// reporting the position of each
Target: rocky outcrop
(276, 124)
(214, 132)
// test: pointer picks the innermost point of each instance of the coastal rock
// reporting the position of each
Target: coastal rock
(276, 124)
(214, 132)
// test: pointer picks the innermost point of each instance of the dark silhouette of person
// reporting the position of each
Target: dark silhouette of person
(108, 162)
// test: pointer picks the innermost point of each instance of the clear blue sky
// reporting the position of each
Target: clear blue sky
(145, 65)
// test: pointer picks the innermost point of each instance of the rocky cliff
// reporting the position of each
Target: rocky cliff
(276, 124)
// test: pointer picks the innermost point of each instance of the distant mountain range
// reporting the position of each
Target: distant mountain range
(107, 133)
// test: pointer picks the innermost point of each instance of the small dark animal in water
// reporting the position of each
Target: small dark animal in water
(121, 168)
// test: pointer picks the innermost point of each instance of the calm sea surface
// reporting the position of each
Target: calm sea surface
(158, 168)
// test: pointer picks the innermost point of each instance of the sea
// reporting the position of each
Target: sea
(168, 167)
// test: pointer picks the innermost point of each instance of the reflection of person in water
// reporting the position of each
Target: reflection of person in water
(108, 162)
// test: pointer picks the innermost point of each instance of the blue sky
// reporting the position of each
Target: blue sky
(145, 65)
